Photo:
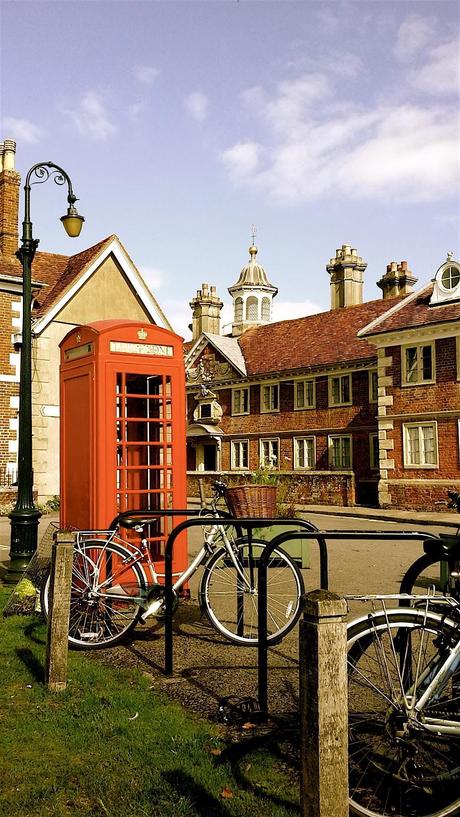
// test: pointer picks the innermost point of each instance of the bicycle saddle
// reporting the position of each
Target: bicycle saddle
(447, 546)
(132, 522)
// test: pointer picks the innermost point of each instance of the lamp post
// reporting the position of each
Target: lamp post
(25, 515)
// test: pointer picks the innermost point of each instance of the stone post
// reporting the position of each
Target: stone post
(323, 706)
(59, 611)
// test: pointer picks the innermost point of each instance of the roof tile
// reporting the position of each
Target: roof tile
(316, 340)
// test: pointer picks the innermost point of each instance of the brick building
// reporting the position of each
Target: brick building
(322, 398)
(418, 359)
(100, 282)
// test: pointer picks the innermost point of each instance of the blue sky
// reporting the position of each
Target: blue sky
(182, 124)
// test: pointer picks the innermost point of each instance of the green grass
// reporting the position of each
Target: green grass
(109, 746)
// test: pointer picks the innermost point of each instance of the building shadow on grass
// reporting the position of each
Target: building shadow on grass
(32, 663)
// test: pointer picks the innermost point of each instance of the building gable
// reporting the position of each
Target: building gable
(106, 294)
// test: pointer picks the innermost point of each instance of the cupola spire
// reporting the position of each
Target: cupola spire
(252, 294)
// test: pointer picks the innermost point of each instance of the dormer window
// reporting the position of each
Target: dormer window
(446, 285)
(450, 277)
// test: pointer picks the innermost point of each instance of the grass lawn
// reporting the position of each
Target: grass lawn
(111, 747)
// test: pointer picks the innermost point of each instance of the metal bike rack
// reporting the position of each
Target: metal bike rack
(320, 536)
(241, 522)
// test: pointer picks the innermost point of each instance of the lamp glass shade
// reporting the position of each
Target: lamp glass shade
(72, 223)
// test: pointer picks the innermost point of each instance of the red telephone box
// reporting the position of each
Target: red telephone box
(123, 427)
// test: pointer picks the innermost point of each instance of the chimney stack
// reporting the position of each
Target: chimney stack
(9, 199)
(347, 277)
(398, 280)
(206, 308)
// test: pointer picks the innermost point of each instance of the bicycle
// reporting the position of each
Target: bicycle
(115, 584)
(440, 564)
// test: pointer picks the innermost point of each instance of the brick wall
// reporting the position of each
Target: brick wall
(422, 488)
(304, 489)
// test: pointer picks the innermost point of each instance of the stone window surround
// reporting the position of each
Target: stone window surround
(421, 465)
(244, 398)
(272, 442)
(420, 380)
(274, 393)
(306, 406)
(238, 446)
(339, 376)
(332, 437)
(295, 452)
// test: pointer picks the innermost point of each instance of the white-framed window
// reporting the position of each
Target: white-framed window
(304, 452)
(240, 400)
(269, 453)
(340, 454)
(239, 453)
(304, 393)
(418, 364)
(420, 442)
(373, 386)
(374, 451)
(340, 390)
(269, 397)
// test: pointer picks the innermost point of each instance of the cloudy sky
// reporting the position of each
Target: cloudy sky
(184, 123)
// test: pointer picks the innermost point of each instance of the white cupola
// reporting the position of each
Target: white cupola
(252, 296)
(446, 283)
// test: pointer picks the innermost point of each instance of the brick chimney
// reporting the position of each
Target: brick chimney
(398, 280)
(9, 199)
(206, 307)
(347, 277)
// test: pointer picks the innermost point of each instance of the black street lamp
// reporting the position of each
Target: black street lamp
(25, 515)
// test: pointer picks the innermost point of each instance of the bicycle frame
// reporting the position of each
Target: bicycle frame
(142, 556)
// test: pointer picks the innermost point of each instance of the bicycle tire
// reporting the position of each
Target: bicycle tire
(105, 595)
(236, 618)
(395, 766)
(419, 577)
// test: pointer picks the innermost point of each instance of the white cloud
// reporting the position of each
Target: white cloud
(241, 159)
(197, 105)
(146, 74)
(414, 34)
(315, 144)
(92, 117)
(441, 73)
(286, 109)
(22, 130)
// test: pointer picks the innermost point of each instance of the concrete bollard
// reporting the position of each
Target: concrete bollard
(59, 611)
(323, 706)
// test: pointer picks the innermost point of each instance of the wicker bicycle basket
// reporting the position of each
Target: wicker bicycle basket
(252, 500)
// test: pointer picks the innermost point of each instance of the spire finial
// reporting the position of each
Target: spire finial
(254, 233)
(253, 248)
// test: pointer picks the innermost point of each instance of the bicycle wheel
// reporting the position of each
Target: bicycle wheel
(106, 592)
(231, 605)
(429, 571)
(396, 765)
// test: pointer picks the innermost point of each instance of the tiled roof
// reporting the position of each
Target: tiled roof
(46, 267)
(415, 311)
(67, 275)
(57, 272)
(316, 340)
